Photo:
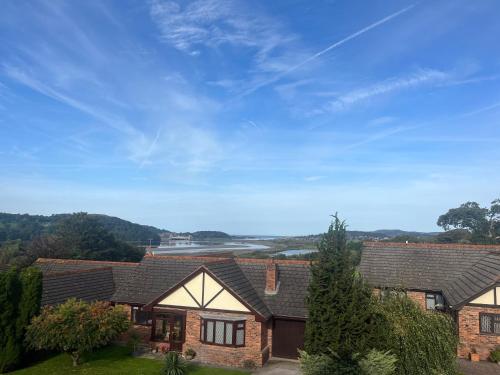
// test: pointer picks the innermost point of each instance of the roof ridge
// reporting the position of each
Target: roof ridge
(430, 245)
(64, 260)
(72, 272)
(236, 259)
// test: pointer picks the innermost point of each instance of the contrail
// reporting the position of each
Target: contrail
(327, 49)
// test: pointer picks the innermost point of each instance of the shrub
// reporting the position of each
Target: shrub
(174, 364)
(378, 363)
(190, 353)
(424, 342)
(133, 340)
(315, 364)
(495, 355)
(323, 364)
(76, 327)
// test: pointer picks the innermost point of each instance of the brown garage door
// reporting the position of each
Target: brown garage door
(288, 336)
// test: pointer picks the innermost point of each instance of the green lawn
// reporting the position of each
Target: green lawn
(111, 360)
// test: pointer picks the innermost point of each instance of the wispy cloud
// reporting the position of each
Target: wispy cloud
(326, 50)
(213, 23)
(350, 98)
(313, 178)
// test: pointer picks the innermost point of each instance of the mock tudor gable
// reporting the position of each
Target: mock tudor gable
(204, 292)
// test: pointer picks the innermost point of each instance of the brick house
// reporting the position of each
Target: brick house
(461, 280)
(229, 310)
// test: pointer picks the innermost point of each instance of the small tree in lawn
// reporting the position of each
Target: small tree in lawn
(341, 318)
(76, 327)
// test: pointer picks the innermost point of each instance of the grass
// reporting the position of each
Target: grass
(109, 361)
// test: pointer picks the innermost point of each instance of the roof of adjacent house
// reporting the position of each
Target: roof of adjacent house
(144, 282)
(459, 271)
(95, 284)
(121, 270)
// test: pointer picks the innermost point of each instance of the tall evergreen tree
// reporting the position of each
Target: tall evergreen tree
(29, 304)
(20, 296)
(341, 317)
(10, 291)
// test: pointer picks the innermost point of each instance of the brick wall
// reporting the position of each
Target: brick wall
(468, 332)
(418, 297)
(226, 356)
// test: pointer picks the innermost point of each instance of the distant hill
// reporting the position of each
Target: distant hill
(389, 233)
(27, 227)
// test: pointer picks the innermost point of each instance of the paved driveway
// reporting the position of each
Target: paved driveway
(478, 368)
(284, 367)
(279, 367)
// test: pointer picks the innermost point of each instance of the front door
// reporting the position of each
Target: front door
(169, 328)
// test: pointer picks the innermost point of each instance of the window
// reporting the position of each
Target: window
(434, 301)
(387, 292)
(489, 323)
(222, 332)
(140, 317)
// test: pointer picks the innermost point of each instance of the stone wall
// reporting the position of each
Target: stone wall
(469, 333)
(221, 355)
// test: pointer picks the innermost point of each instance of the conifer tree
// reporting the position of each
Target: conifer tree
(9, 297)
(341, 318)
(29, 304)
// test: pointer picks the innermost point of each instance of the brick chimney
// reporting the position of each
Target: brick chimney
(272, 282)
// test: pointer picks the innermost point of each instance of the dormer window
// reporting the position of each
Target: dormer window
(434, 301)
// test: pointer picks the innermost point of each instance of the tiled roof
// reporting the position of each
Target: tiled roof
(294, 278)
(121, 270)
(90, 285)
(459, 271)
(232, 276)
(142, 283)
(246, 277)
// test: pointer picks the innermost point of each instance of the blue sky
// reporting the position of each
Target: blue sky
(250, 117)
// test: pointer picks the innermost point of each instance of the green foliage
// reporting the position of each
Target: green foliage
(316, 364)
(482, 223)
(342, 318)
(424, 342)
(378, 363)
(174, 364)
(454, 236)
(76, 327)
(133, 340)
(10, 291)
(20, 295)
(28, 227)
(190, 353)
(495, 355)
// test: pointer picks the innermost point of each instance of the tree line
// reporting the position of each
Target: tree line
(76, 236)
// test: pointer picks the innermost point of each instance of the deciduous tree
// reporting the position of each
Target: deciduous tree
(76, 327)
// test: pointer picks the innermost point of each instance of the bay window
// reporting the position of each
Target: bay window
(222, 332)
(489, 323)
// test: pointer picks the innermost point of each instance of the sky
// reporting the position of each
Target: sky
(250, 117)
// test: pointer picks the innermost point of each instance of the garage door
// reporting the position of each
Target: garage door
(288, 336)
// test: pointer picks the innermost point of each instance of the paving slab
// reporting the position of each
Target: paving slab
(279, 367)
(478, 368)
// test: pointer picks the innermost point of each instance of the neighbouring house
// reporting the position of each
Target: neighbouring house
(229, 310)
(458, 279)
